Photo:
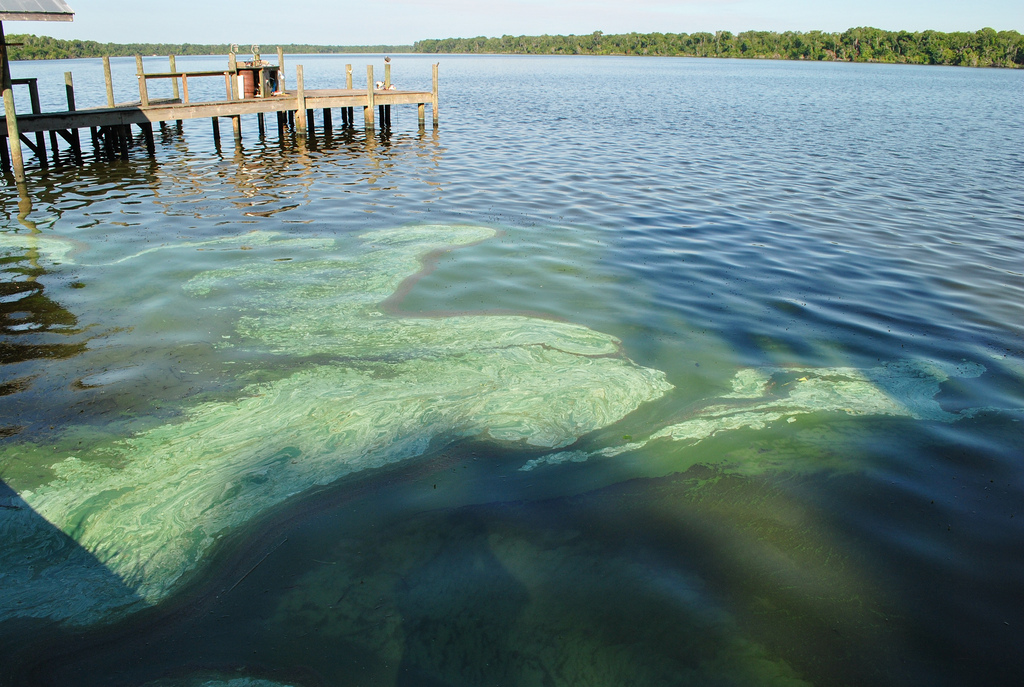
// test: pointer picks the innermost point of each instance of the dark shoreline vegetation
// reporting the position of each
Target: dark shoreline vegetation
(983, 48)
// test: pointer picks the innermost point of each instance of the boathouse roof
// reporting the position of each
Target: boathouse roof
(35, 10)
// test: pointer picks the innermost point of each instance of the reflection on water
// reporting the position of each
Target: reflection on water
(541, 397)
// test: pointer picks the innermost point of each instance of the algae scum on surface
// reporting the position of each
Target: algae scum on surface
(377, 389)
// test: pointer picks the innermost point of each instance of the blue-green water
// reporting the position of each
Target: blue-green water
(634, 371)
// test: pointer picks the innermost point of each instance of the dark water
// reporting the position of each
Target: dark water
(243, 443)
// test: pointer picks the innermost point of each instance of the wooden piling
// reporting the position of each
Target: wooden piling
(143, 88)
(13, 134)
(262, 124)
(327, 119)
(236, 120)
(348, 76)
(76, 142)
(433, 102)
(368, 108)
(280, 69)
(300, 102)
(147, 131)
(33, 94)
(174, 82)
(216, 128)
(109, 81)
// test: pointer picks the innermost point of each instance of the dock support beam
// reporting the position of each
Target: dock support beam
(13, 135)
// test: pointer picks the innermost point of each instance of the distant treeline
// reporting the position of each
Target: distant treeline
(984, 48)
(46, 48)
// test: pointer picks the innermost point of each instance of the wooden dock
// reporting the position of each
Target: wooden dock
(261, 94)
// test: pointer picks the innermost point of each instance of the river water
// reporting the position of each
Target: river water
(635, 371)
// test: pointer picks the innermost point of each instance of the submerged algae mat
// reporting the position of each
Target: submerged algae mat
(371, 389)
(149, 507)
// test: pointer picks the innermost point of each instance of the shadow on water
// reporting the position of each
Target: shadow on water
(46, 579)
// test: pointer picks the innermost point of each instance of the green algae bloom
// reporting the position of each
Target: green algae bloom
(762, 396)
(150, 507)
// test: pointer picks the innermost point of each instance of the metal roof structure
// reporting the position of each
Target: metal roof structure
(35, 10)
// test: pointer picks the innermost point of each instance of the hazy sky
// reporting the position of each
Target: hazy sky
(366, 22)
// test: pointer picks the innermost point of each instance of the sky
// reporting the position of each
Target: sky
(400, 22)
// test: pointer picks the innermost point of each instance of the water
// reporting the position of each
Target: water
(670, 371)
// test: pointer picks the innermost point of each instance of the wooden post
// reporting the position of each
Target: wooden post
(33, 94)
(327, 119)
(174, 84)
(368, 108)
(236, 120)
(143, 88)
(174, 81)
(233, 81)
(347, 113)
(421, 113)
(433, 100)
(385, 116)
(300, 103)
(109, 80)
(76, 142)
(280, 69)
(13, 134)
(262, 124)
(216, 130)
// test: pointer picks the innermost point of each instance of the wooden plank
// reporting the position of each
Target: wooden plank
(177, 74)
